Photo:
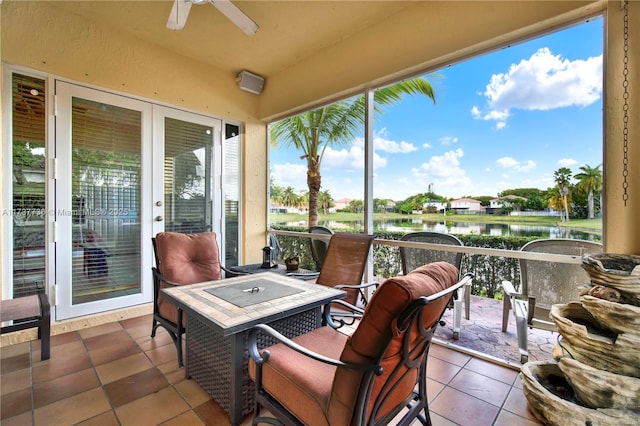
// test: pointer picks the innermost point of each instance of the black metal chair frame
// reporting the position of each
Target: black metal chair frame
(176, 331)
(414, 357)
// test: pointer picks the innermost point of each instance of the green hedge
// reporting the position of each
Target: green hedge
(489, 271)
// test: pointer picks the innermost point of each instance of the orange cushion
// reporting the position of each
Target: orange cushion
(301, 384)
(188, 258)
(378, 322)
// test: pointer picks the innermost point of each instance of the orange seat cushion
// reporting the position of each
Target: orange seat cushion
(301, 384)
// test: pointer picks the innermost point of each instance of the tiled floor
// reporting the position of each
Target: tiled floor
(115, 374)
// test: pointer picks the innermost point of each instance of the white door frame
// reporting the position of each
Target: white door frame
(62, 226)
(157, 203)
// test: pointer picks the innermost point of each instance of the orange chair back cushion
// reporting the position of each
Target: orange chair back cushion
(188, 258)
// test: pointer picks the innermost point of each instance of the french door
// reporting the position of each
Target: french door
(124, 170)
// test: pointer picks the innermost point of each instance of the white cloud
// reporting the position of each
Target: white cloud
(566, 162)
(512, 163)
(542, 82)
(349, 159)
(288, 174)
(444, 173)
(426, 145)
(448, 140)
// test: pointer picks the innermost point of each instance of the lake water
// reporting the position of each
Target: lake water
(461, 228)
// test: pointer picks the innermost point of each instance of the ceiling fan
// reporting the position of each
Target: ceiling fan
(180, 13)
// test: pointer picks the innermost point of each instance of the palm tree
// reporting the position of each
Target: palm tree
(562, 178)
(289, 197)
(326, 200)
(557, 202)
(590, 182)
(335, 125)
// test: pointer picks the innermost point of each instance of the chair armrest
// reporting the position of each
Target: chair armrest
(260, 357)
(336, 318)
(304, 275)
(228, 273)
(509, 290)
(157, 275)
(356, 287)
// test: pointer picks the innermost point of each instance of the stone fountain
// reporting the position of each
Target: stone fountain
(594, 378)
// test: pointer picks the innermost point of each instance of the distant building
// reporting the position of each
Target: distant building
(506, 201)
(438, 205)
(341, 204)
(466, 204)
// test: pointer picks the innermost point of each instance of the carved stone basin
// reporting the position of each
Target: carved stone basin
(619, 317)
(600, 389)
(619, 271)
(552, 399)
(584, 339)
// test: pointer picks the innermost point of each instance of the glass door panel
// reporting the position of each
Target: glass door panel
(98, 201)
(28, 211)
(189, 156)
(187, 176)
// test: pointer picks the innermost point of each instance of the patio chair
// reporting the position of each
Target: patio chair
(181, 259)
(377, 376)
(319, 245)
(412, 258)
(544, 284)
(343, 268)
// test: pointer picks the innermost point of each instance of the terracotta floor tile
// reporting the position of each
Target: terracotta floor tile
(464, 409)
(110, 347)
(192, 393)
(19, 420)
(441, 371)
(15, 381)
(15, 363)
(506, 418)
(517, 404)
(137, 322)
(65, 359)
(489, 369)
(140, 331)
(45, 393)
(105, 419)
(451, 356)
(100, 329)
(74, 409)
(153, 409)
(14, 350)
(62, 339)
(185, 419)
(123, 367)
(163, 354)
(162, 338)
(482, 387)
(436, 420)
(212, 414)
(433, 389)
(130, 388)
(15, 403)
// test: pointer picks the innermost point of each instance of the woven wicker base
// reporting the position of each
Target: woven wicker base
(210, 360)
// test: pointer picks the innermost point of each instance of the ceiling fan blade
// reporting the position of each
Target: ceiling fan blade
(236, 16)
(179, 14)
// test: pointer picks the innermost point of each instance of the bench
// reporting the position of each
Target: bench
(28, 312)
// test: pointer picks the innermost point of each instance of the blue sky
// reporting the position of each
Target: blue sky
(507, 119)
